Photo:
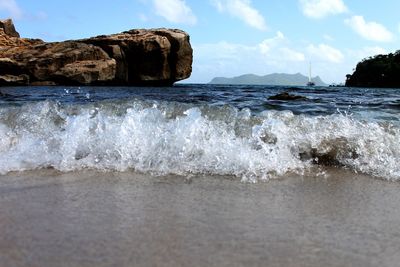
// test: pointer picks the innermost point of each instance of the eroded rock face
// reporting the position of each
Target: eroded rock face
(158, 56)
(136, 57)
(9, 79)
(8, 27)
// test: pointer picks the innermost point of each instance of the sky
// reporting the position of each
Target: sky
(232, 37)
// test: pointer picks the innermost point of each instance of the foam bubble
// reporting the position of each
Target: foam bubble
(170, 138)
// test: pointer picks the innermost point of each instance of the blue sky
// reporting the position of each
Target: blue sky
(232, 37)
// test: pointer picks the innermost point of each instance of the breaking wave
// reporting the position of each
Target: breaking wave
(173, 138)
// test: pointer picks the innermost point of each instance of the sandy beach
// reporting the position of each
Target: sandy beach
(127, 219)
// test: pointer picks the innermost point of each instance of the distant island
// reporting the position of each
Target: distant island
(271, 79)
(377, 71)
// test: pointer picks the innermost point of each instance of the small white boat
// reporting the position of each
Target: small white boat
(310, 82)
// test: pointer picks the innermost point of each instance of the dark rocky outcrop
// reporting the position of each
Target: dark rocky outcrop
(285, 96)
(136, 57)
(378, 71)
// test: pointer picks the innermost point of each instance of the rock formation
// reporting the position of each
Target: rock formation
(136, 57)
(8, 28)
(285, 96)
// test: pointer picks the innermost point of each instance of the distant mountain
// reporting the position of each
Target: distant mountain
(271, 79)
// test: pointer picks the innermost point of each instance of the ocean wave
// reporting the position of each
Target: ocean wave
(173, 138)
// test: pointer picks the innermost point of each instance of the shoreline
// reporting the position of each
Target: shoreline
(89, 218)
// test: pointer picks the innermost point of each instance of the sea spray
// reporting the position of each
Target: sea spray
(175, 138)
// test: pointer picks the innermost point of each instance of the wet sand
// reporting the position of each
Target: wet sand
(126, 219)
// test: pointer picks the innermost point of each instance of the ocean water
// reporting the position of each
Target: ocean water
(192, 129)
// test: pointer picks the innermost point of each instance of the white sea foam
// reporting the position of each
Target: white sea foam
(170, 138)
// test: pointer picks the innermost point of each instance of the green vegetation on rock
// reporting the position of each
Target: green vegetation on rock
(377, 71)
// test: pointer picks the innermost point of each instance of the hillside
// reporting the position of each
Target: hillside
(270, 79)
(377, 71)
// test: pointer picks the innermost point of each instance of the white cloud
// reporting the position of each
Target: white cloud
(276, 48)
(328, 37)
(291, 55)
(368, 51)
(12, 7)
(321, 8)
(369, 30)
(242, 10)
(266, 45)
(373, 51)
(274, 54)
(175, 11)
(326, 53)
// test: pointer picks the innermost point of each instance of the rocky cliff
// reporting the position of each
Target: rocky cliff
(136, 57)
(377, 71)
